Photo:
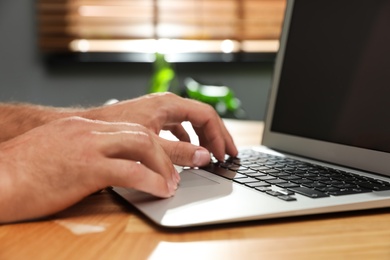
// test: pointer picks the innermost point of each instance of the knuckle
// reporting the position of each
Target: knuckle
(72, 120)
(163, 95)
(176, 153)
(145, 140)
(210, 110)
(139, 127)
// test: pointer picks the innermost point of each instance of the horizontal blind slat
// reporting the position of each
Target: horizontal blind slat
(62, 21)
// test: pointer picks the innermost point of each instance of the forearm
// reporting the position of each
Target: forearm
(16, 118)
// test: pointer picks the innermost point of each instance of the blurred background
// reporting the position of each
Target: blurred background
(67, 52)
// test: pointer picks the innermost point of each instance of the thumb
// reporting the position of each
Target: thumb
(185, 154)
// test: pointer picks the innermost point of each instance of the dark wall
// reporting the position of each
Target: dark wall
(25, 77)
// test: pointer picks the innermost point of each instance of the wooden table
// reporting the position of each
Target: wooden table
(101, 227)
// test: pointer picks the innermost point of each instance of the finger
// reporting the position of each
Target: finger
(185, 154)
(206, 122)
(218, 142)
(129, 174)
(139, 145)
(211, 143)
(140, 134)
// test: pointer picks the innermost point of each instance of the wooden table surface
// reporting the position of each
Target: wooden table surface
(102, 227)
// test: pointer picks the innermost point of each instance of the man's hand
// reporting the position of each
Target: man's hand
(54, 166)
(166, 111)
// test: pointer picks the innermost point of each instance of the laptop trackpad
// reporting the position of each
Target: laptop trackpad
(190, 179)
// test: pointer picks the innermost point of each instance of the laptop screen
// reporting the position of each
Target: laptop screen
(335, 79)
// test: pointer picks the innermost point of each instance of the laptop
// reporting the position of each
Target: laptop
(326, 142)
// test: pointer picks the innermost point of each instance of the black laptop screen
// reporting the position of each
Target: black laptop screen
(335, 80)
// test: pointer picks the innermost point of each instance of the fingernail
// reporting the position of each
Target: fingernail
(201, 157)
(171, 188)
(177, 176)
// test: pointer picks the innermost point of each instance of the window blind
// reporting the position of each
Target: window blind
(159, 25)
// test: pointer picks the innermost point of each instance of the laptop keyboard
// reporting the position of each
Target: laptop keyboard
(282, 177)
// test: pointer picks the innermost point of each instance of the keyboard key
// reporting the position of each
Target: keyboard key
(269, 171)
(372, 185)
(256, 174)
(279, 174)
(314, 185)
(259, 168)
(245, 180)
(346, 186)
(274, 193)
(227, 165)
(240, 176)
(333, 182)
(258, 184)
(237, 168)
(311, 193)
(263, 189)
(319, 178)
(220, 171)
(328, 189)
(266, 178)
(303, 181)
(286, 192)
(290, 177)
(349, 191)
(306, 175)
(287, 185)
(276, 181)
(286, 198)
(246, 171)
